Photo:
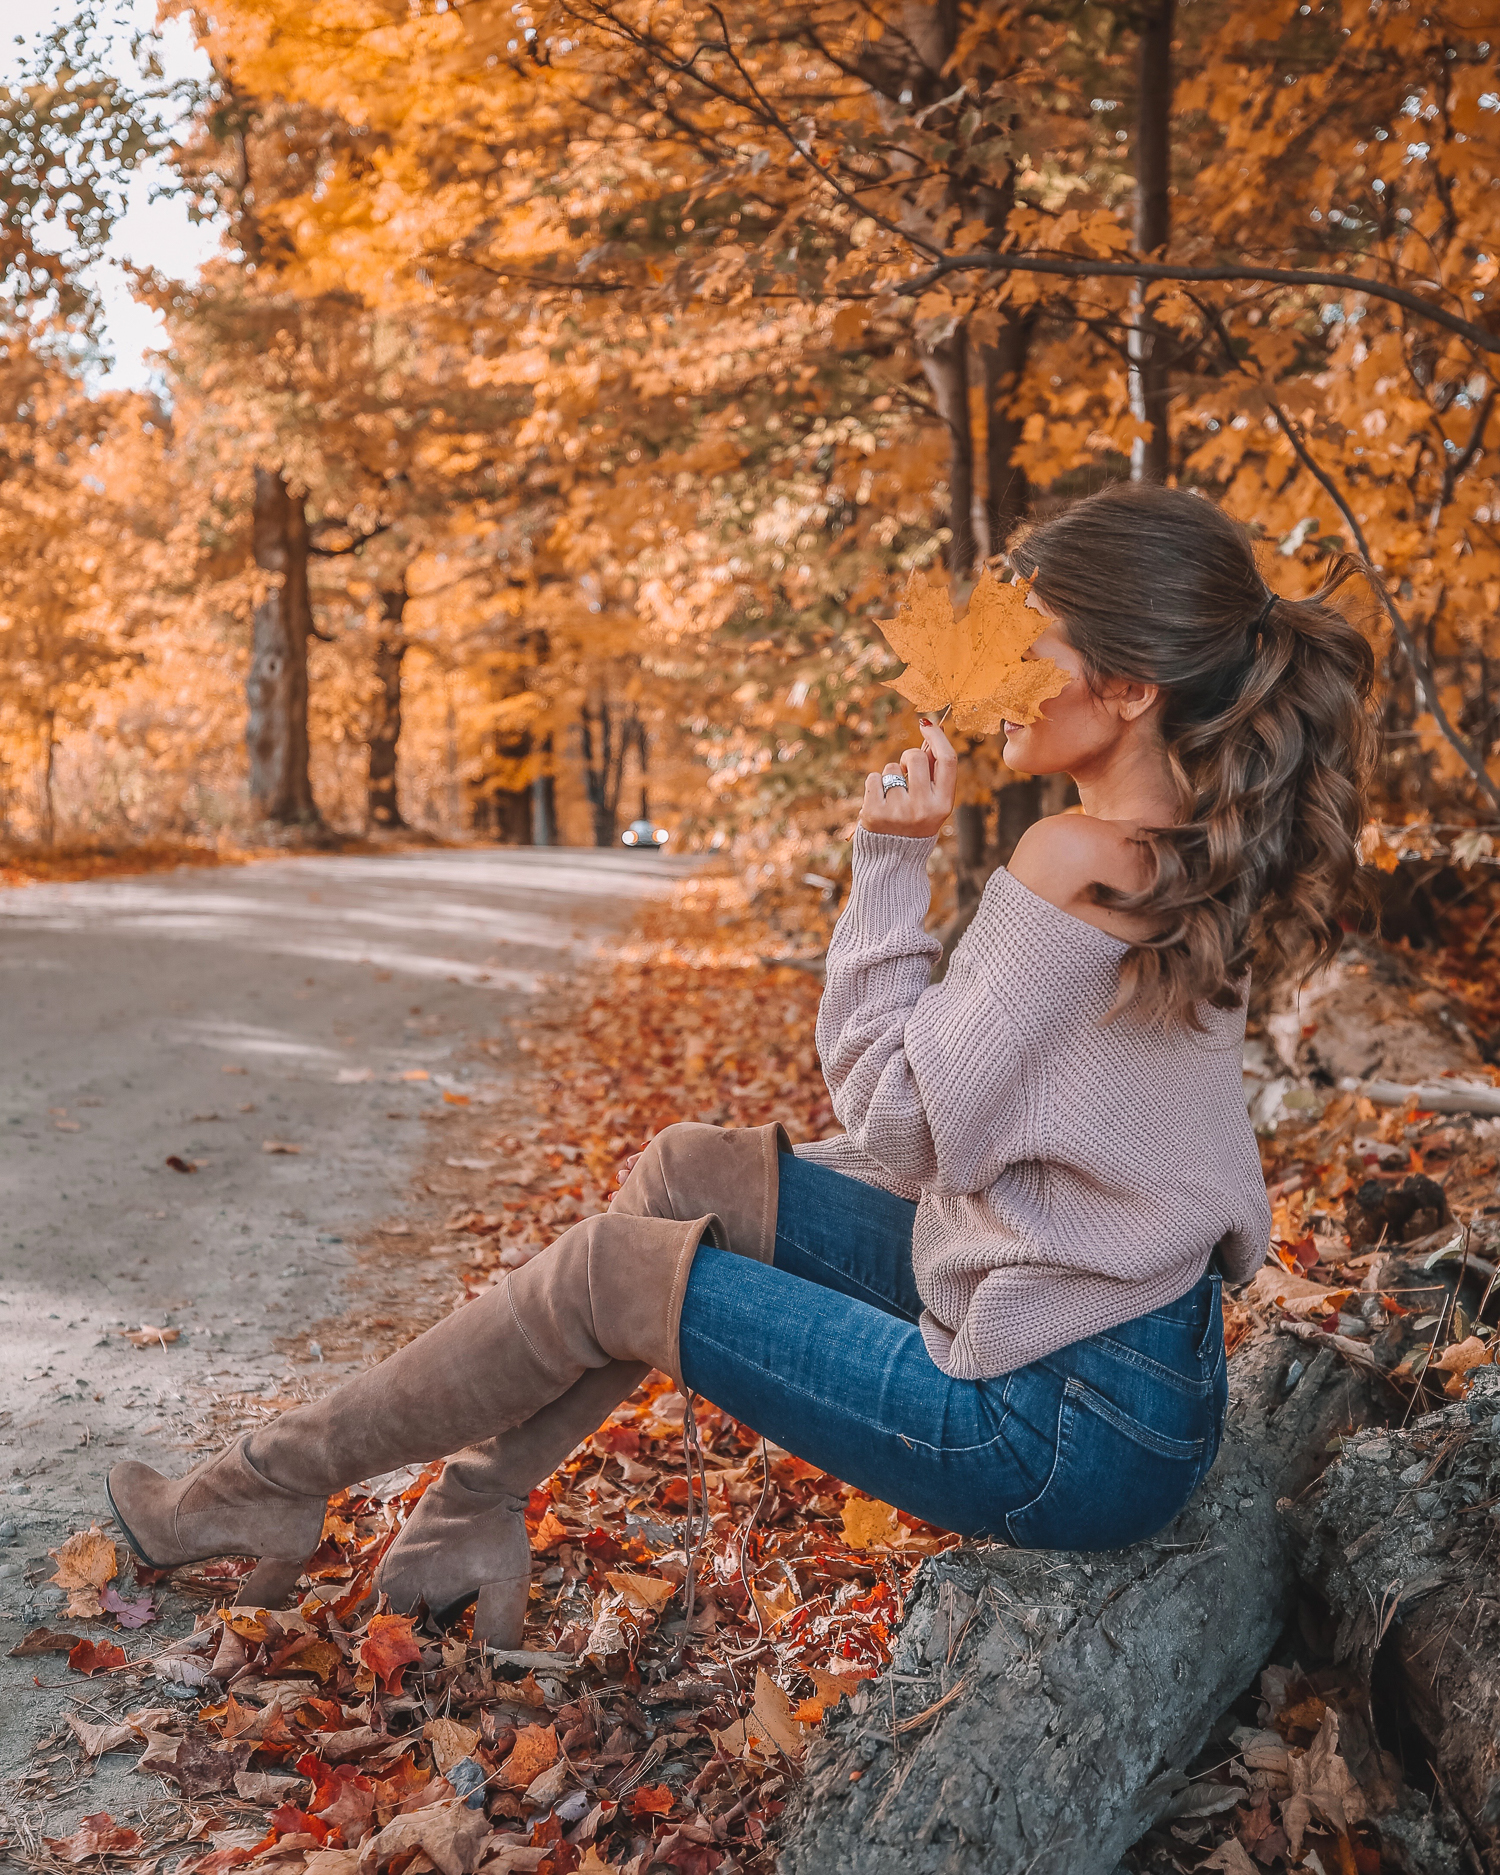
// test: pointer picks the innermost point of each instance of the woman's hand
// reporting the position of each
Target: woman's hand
(626, 1166)
(920, 808)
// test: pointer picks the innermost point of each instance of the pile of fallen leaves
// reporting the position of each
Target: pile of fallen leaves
(684, 1639)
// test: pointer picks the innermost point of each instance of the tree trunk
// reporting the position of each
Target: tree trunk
(382, 808)
(276, 733)
(1007, 490)
(1408, 1562)
(49, 775)
(544, 803)
(946, 366)
(1150, 381)
(604, 744)
(1087, 1680)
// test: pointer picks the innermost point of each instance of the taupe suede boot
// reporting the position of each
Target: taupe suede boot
(610, 1289)
(467, 1535)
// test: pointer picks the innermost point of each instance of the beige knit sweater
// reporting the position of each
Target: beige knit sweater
(1068, 1174)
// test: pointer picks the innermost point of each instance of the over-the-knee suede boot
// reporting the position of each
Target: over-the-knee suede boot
(610, 1289)
(467, 1535)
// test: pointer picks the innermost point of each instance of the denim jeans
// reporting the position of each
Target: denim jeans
(1093, 1448)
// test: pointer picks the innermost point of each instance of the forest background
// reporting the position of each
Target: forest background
(578, 384)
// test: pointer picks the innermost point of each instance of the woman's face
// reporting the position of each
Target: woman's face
(1074, 729)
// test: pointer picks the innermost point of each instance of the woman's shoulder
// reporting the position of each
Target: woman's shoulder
(1062, 858)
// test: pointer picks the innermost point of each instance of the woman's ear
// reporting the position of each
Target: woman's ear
(1133, 701)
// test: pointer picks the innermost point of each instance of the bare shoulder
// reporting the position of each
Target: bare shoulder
(1062, 857)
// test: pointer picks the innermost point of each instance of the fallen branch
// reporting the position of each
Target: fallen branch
(1083, 1676)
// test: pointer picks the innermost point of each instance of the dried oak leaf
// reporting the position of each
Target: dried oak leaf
(95, 1835)
(84, 1564)
(976, 665)
(199, 1768)
(388, 1649)
(91, 1657)
(534, 1751)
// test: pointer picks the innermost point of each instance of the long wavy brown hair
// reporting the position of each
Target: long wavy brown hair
(1265, 724)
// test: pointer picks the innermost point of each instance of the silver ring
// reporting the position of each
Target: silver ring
(887, 782)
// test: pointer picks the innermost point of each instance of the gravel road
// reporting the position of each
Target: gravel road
(209, 1021)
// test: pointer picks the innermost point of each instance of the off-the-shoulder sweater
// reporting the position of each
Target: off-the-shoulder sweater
(1069, 1172)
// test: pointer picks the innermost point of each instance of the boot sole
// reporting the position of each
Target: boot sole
(129, 1535)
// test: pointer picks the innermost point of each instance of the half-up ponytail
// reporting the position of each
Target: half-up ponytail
(1265, 724)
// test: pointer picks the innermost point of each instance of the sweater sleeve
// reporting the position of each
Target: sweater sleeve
(923, 1077)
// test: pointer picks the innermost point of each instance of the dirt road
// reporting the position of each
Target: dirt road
(212, 1084)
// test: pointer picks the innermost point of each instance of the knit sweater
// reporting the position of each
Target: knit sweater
(1069, 1174)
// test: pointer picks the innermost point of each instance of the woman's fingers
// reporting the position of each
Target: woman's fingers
(944, 764)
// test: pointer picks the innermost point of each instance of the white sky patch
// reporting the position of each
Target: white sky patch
(154, 233)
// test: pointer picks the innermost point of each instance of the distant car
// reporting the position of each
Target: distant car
(641, 833)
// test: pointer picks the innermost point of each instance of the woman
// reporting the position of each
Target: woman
(994, 1299)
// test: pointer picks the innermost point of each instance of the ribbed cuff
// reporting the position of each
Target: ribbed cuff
(890, 886)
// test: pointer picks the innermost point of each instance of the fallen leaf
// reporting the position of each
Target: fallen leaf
(1465, 1354)
(832, 1687)
(451, 1835)
(451, 1742)
(267, 1786)
(771, 1714)
(129, 1614)
(534, 1751)
(547, 1787)
(1230, 1859)
(44, 1641)
(652, 1800)
(649, 1593)
(455, 1100)
(1296, 1296)
(178, 1164)
(279, 1145)
(416, 1074)
(148, 1337)
(974, 665)
(85, 1562)
(95, 1835)
(388, 1649)
(869, 1524)
(776, 1605)
(90, 1657)
(1321, 1782)
(97, 1739)
(199, 1768)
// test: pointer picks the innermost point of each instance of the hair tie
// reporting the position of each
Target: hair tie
(1264, 613)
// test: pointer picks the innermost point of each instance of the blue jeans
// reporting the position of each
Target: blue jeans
(1093, 1448)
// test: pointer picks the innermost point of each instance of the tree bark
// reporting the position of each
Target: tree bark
(1409, 1563)
(382, 807)
(1087, 1680)
(1007, 490)
(946, 367)
(1150, 379)
(604, 743)
(276, 733)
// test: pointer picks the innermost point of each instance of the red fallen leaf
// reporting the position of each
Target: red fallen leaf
(96, 1657)
(178, 1164)
(405, 1779)
(674, 1494)
(388, 1649)
(652, 1800)
(95, 1835)
(288, 1820)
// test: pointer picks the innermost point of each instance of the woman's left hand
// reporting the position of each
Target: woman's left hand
(920, 808)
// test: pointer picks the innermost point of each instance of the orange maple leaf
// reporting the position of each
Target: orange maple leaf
(976, 666)
(534, 1751)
